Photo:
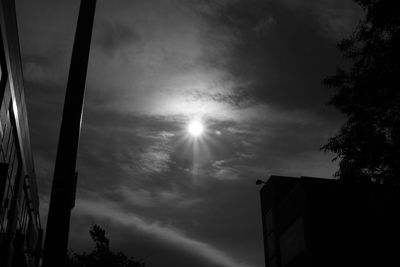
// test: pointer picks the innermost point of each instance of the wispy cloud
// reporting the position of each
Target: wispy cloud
(337, 18)
(156, 197)
(154, 161)
(165, 233)
(140, 197)
(223, 171)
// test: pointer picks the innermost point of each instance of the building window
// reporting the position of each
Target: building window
(292, 242)
(3, 69)
(271, 245)
(270, 237)
(272, 262)
(269, 222)
(9, 150)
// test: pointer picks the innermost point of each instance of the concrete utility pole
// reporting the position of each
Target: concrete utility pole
(64, 181)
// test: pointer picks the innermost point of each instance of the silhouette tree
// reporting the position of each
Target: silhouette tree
(101, 256)
(368, 144)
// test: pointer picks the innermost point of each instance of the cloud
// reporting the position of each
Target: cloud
(337, 18)
(43, 70)
(166, 234)
(223, 170)
(112, 36)
(34, 72)
(154, 160)
(264, 25)
(283, 67)
(155, 198)
(140, 197)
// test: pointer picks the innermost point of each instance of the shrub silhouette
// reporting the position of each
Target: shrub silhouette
(101, 256)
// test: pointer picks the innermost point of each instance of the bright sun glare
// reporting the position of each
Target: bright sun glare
(195, 128)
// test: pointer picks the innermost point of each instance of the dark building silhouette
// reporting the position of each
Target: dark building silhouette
(20, 228)
(323, 222)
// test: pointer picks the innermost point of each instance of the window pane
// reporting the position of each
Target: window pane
(271, 245)
(269, 222)
(292, 241)
(272, 263)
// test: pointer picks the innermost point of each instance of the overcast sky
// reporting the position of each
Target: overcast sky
(250, 70)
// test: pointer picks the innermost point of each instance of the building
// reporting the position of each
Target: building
(20, 228)
(324, 222)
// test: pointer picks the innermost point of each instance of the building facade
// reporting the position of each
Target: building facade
(20, 228)
(323, 222)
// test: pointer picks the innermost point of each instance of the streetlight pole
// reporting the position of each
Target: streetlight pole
(64, 181)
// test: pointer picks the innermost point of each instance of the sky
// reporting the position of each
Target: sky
(250, 70)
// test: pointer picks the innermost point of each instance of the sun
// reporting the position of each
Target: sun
(195, 128)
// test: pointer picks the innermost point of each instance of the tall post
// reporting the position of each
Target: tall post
(64, 182)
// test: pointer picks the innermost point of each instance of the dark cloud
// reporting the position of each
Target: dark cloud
(112, 36)
(280, 51)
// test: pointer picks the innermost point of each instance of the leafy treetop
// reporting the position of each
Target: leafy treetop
(368, 144)
(101, 256)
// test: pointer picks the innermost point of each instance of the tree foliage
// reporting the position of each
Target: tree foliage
(101, 256)
(368, 144)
